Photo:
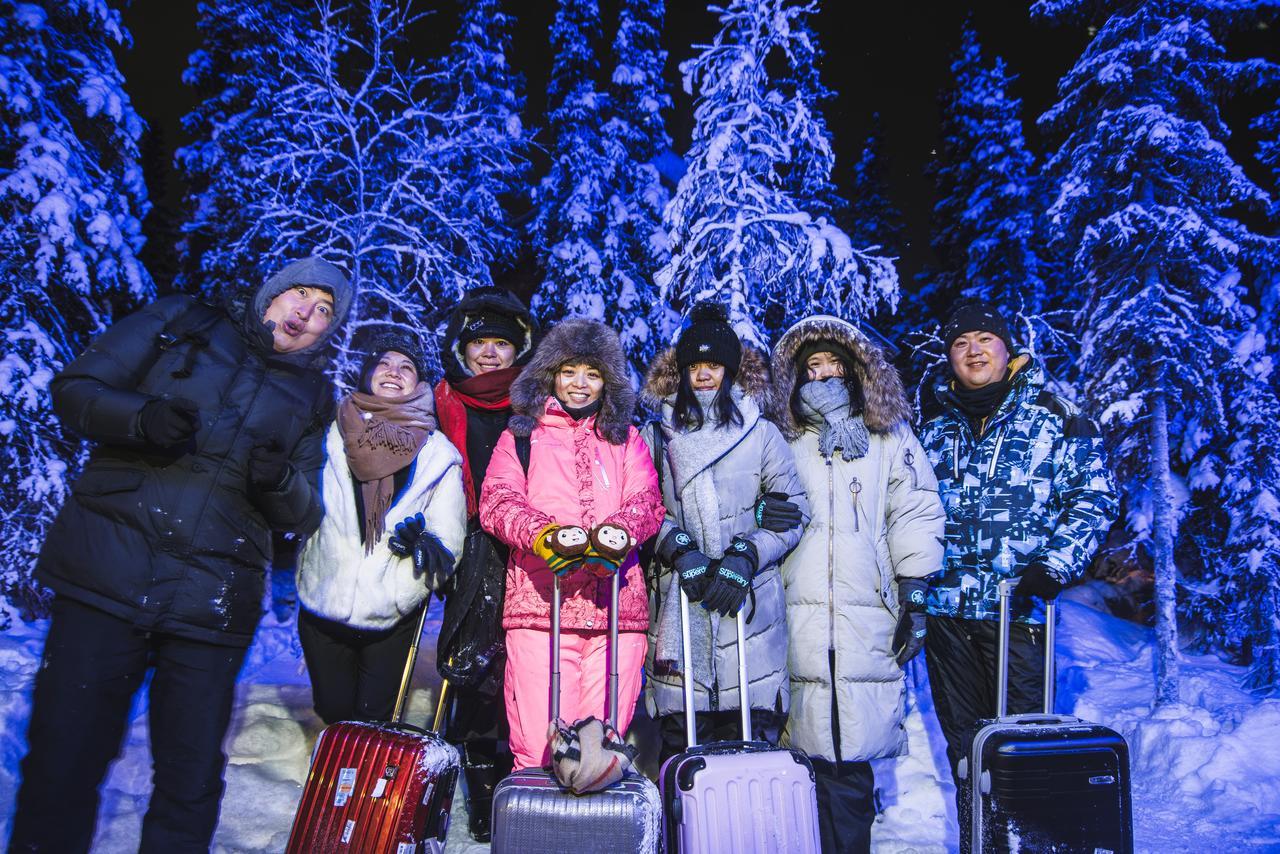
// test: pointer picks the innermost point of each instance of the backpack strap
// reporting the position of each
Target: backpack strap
(190, 327)
(524, 448)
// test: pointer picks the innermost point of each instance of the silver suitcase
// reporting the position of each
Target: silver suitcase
(534, 814)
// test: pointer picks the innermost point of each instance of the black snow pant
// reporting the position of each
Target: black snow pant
(717, 726)
(961, 656)
(477, 723)
(355, 673)
(846, 805)
(93, 665)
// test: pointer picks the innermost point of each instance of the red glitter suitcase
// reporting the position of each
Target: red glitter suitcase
(377, 788)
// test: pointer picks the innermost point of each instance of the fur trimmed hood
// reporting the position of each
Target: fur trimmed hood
(578, 340)
(663, 378)
(885, 400)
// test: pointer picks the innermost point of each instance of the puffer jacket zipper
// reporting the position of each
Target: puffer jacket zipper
(831, 601)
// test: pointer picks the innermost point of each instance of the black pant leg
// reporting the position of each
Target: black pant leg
(1026, 669)
(192, 693)
(846, 805)
(333, 665)
(92, 666)
(382, 656)
(959, 680)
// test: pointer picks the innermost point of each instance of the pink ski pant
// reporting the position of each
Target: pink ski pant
(584, 685)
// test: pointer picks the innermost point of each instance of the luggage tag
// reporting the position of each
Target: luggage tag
(380, 787)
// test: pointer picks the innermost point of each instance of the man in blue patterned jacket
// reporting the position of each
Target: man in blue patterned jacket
(1023, 477)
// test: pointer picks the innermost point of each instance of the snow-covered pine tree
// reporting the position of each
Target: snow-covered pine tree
(1266, 268)
(489, 144)
(874, 220)
(636, 245)
(1145, 189)
(71, 197)
(807, 179)
(231, 74)
(983, 223)
(357, 167)
(569, 231)
(736, 235)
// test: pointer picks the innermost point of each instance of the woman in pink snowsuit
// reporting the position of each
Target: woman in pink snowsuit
(588, 469)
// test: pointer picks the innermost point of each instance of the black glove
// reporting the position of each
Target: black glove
(432, 561)
(1039, 581)
(268, 466)
(406, 535)
(908, 635)
(692, 567)
(732, 581)
(776, 512)
(169, 421)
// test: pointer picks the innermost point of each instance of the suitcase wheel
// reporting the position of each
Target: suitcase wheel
(962, 770)
(984, 783)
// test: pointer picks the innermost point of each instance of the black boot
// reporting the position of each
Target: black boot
(481, 781)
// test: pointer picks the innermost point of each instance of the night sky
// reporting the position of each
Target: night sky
(886, 57)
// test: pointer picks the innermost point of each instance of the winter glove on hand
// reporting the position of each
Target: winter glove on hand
(607, 547)
(1039, 581)
(432, 561)
(268, 466)
(562, 547)
(407, 534)
(776, 512)
(732, 581)
(168, 421)
(908, 635)
(691, 566)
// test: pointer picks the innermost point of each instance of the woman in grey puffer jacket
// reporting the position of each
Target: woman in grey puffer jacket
(854, 585)
(720, 457)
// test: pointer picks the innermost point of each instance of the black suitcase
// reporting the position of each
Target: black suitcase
(1045, 782)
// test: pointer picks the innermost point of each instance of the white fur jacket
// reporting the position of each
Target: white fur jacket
(337, 580)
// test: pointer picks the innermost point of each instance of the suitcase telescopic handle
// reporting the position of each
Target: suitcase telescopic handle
(1002, 650)
(612, 712)
(407, 676)
(744, 704)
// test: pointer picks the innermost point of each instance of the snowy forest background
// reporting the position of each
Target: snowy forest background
(1131, 236)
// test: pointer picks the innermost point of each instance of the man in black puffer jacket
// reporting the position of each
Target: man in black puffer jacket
(208, 425)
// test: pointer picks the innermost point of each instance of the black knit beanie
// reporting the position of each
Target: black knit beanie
(709, 338)
(383, 341)
(975, 316)
(825, 345)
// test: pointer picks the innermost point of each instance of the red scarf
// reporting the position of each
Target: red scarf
(490, 391)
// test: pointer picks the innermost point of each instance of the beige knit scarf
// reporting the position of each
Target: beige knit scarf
(381, 436)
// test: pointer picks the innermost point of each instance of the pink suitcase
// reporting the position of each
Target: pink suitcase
(741, 796)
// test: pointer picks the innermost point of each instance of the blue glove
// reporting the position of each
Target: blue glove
(406, 535)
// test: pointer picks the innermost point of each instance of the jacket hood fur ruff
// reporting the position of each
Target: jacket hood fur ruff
(663, 379)
(884, 399)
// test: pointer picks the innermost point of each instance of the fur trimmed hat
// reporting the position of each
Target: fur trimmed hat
(576, 340)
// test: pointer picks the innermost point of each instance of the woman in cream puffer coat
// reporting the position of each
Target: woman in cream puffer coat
(875, 533)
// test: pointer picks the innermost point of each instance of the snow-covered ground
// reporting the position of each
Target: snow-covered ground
(1206, 773)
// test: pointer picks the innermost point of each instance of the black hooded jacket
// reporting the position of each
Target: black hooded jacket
(178, 540)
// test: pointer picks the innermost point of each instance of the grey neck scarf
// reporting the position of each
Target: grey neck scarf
(706, 400)
(826, 402)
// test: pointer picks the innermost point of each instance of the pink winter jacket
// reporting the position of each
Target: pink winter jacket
(575, 478)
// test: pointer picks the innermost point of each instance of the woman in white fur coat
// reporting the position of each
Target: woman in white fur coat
(394, 521)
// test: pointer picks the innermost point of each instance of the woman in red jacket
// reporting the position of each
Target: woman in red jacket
(589, 474)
